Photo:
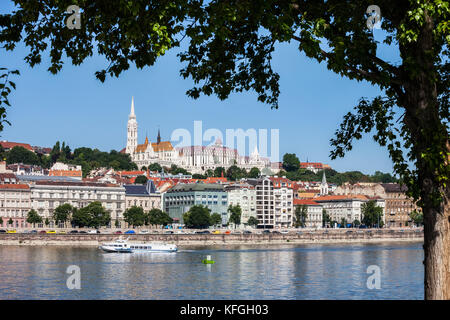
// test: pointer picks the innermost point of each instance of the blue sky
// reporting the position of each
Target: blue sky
(76, 108)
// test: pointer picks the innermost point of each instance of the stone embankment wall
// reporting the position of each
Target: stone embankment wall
(331, 236)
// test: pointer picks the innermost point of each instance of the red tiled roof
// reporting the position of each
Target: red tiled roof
(65, 173)
(277, 182)
(132, 173)
(10, 145)
(14, 186)
(298, 202)
(341, 197)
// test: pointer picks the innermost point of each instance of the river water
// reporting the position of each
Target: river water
(328, 271)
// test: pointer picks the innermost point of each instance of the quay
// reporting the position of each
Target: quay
(293, 237)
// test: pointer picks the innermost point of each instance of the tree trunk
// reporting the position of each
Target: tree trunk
(437, 252)
(430, 147)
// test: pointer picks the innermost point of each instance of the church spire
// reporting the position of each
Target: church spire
(324, 185)
(158, 139)
(132, 115)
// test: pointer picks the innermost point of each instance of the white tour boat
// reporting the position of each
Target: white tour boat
(123, 246)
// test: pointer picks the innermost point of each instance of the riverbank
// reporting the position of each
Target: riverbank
(331, 236)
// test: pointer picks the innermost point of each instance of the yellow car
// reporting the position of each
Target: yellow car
(216, 232)
(11, 231)
(62, 232)
(50, 231)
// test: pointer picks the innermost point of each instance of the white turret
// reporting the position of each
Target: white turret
(324, 185)
(132, 135)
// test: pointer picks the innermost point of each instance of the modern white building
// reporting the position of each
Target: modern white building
(274, 202)
(244, 195)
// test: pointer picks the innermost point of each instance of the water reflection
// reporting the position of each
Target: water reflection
(240, 272)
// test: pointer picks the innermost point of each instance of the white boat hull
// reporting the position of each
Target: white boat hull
(125, 247)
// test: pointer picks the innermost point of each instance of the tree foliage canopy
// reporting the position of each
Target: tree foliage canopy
(198, 216)
(372, 214)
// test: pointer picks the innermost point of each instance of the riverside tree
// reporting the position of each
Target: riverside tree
(135, 216)
(301, 214)
(372, 214)
(33, 217)
(216, 219)
(158, 217)
(230, 50)
(252, 221)
(198, 216)
(93, 215)
(235, 214)
(63, 213)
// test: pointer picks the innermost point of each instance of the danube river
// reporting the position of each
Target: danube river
(240, 272)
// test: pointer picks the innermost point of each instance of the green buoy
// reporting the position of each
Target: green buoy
(208, 260)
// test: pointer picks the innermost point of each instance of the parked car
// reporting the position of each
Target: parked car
(93, 231)
(216, 232)
(62, 232)
(26, 231)
(284, 231)
(82, 231)
(42, 231)
(227, 232)
(50, 231)
(247, 232)
(236, 232)
(266, 231)
(144, 232)
(130, 232)
(11, 231)
(2, 231)
(301, 232)
(168, 232)
(33, 231)
(203, 232)
(276, 232)
(74, 231)
(117, 232)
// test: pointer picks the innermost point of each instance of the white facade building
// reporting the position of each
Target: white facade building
(314, 212)
(46, 196)
(274, 202)
(243, 195)
(347, 207)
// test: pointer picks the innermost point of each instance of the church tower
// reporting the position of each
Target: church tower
(132, 136)
(324, 185)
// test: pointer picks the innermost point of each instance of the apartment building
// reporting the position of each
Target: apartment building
(314, 216)
(274, 201)
(347, 207)
(144, 196)
(244, 195)
(48, 195)
(398, 207)
(15, 203)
